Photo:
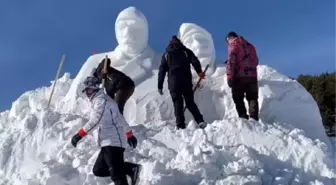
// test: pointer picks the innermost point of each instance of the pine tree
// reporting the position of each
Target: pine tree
(322, 88)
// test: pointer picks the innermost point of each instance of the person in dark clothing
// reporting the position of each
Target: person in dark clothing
(242, 75)
(176, 61)
(118, 85)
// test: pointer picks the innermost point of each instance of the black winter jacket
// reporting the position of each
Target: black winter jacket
(176, 61)
(115, 80)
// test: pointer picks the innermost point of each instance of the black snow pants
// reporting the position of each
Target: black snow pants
(188, 96)
(248, 86)
(110, 162)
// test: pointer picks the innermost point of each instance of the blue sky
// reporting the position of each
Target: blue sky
(292, 36)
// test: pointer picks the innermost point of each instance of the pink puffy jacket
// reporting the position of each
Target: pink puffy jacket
(242, 59)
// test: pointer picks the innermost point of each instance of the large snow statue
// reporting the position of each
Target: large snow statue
(132, 56)
(200, 42)
(131, 28)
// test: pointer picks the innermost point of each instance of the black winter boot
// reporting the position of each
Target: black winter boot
(255, 117)
(180, 126)
(244, 116)
(202, 125)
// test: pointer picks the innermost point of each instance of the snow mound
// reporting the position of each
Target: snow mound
(35, 143)
(288, 145)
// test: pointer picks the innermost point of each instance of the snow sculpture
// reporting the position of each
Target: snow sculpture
(200, 42)
(282, 148)
(131, 30)
(133, 56)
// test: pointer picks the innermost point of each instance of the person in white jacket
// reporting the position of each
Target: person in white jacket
(113, 135)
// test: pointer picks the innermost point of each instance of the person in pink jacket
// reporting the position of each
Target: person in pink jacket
(242, 77)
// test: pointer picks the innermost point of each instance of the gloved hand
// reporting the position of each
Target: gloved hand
(131, 139)
(103, 76)
(229, 82)
(160, 91)
(201, 75)
(232, 81)
(75, 140)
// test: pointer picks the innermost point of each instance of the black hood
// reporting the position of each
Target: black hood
(101, 64)
(174, 44)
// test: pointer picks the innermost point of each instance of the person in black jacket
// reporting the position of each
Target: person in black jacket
(176, 61)
(118, 85)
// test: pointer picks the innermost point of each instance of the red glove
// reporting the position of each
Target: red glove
(77, 137)
(82, 133)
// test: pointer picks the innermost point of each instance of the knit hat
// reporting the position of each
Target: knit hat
(91, 82)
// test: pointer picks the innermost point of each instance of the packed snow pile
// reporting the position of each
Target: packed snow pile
(287, 146)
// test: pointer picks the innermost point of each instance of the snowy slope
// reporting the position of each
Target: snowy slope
(288, 145)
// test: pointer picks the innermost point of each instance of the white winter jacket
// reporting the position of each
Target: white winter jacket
(105, 115)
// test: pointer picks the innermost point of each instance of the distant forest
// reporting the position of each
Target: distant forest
(322, 88)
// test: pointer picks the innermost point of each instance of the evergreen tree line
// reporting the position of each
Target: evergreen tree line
(322, 88)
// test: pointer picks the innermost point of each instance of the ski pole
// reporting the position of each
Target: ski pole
(57, 75)
(197, 84)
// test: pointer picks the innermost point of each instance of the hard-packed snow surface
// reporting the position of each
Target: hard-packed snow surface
(288, 145)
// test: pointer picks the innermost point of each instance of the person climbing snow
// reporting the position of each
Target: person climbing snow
(242, 77)
(118, 85)
(176, 62)
(111, 136)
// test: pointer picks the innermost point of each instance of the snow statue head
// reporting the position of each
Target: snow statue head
(131, 28)
(200, 42)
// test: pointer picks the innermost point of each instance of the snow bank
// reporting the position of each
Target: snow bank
(288, 145)
(35, 146)
(277, 97)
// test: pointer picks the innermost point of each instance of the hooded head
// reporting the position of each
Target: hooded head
(131, 28)
(91, 86)
(231, 36)
(174, 44)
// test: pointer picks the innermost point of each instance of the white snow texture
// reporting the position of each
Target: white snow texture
(287, 146)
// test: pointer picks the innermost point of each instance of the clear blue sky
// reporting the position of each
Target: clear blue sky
(292, 36)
